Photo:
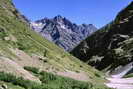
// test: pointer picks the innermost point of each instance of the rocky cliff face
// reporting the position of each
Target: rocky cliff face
(63, 32)
(111, 46)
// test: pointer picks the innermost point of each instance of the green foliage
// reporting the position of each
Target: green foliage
(2, 33)
(32, 69)
(59, 82)
(128, 76)
(49, 81)
(54, 81)
(47, 77)
(96, 74)
(21, 46)
(16, 81)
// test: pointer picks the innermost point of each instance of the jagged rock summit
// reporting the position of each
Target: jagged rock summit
(63, 32)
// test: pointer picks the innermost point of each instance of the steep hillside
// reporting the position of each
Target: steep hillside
(112, 46)
(22, 49)
(63, 32)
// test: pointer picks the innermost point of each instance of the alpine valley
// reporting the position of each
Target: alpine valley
(55, 53)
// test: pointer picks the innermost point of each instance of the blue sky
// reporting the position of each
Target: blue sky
(97, 12)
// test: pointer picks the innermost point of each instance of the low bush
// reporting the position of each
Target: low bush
(32, 69)
(47, 77)
(128, 76)
(3, 33)
(21, 46)
(98, 75)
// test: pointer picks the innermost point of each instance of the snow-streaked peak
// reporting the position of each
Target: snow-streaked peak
(62, 31)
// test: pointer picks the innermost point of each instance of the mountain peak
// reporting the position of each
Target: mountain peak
(62, 31)
(58, 17)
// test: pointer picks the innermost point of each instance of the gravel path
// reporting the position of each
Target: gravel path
(120, 83)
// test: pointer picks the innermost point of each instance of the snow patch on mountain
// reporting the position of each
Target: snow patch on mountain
(63, 32)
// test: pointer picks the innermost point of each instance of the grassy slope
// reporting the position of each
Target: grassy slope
(32, 43)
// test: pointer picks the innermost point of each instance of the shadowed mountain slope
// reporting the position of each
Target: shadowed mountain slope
(112, 46)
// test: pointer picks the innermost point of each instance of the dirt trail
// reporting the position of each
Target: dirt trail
(120, 83)
(117, 81)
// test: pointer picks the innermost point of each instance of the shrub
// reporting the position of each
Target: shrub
(45, 53)
(21, 46)
(32, 69)
(47, 77)
(3, 33)
(128, 76)
(98, 75)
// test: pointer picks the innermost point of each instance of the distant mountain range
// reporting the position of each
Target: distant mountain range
(63, 32)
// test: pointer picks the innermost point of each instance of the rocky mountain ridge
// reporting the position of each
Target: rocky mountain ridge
(63, 32)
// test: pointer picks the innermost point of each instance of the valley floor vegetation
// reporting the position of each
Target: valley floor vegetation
(49, 81)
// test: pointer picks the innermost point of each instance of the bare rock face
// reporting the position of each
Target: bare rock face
(63, 32)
